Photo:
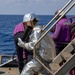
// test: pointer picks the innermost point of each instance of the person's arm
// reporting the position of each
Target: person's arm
(57, 31)
(34, 38)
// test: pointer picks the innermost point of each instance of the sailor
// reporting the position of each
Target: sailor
(62, 32)
(45, 48)
(19, 32)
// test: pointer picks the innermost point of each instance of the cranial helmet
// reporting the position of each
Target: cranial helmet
(30, 16)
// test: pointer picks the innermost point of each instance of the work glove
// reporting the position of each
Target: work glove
(21, 43)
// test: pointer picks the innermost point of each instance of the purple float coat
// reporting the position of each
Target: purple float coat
(18, 33)
(22, 54)
(62, 31)
(19, 28)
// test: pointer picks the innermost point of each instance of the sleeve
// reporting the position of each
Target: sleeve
(56, 33)
(33, 39)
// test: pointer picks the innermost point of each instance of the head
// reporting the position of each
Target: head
(58, 11)
(30, 17)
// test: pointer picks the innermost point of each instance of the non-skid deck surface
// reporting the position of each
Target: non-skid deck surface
(9, 71)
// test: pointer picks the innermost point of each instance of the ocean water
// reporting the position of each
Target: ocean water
(7, 25)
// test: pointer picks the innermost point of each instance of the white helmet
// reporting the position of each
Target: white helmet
(30, 16)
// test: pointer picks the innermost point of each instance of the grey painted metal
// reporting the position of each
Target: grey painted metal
(66, 67)
(69, 48)
(69, 63)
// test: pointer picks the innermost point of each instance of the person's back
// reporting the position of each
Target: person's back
(62, 32)
(65, 31)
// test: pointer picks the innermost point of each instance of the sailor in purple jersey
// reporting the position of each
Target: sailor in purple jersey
(23, 55)
(62, 32)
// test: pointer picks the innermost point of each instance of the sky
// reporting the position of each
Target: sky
(40, 7)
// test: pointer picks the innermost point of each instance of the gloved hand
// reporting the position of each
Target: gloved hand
(21, 43)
